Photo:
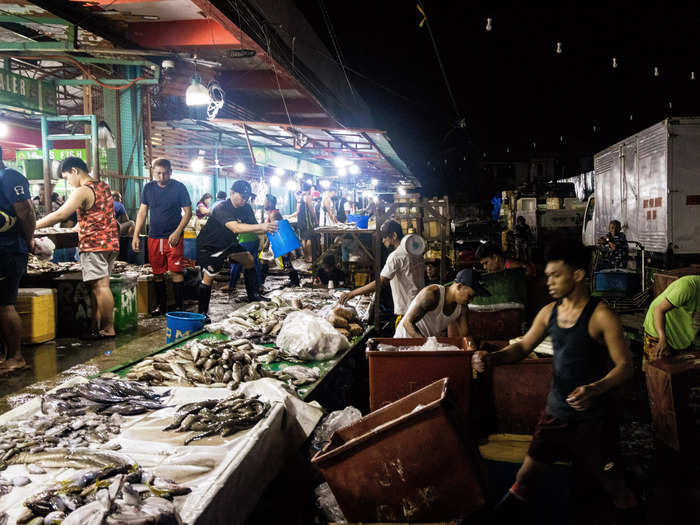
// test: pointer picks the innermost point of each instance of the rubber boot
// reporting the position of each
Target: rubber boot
(251, 286)
(161, 297)
(204, 298)
(179, 296)
(293, 277)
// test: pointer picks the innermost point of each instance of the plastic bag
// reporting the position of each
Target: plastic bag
(310, 338)
(331, 423)
(43, 248)
(325, 500)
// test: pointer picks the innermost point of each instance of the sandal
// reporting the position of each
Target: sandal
(96, 336)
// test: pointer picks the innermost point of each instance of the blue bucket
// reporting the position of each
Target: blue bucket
(182, 324)
(283, 240)
(362, 221)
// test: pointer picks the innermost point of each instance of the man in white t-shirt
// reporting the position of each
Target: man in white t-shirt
(403, 271)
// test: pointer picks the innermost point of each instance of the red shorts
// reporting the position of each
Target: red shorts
(164, 258)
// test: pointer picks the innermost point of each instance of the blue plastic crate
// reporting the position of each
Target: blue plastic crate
(618, 281)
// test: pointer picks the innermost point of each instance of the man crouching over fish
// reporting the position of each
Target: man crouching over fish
(218, 241)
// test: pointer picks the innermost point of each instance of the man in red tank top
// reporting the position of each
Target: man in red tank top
(98, 238)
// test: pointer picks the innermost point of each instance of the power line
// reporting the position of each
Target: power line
(334, 40)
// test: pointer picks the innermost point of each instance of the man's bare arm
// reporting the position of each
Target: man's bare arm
(79, 197)
(426, 301)
(27, 220)
(516, 351)
(460, 326)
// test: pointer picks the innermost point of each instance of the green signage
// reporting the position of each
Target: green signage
(27, 93)
(54, 154)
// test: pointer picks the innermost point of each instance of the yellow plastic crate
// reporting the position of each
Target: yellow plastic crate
(37, 310)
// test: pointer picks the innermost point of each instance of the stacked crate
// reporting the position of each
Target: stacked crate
(409, 214)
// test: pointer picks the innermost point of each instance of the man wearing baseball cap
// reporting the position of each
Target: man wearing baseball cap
(442, 310)
(218, 241)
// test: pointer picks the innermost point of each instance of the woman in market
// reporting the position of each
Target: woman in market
(126, 225)
(328, 211)
(306, 221)
(202, 210)
(98, 239)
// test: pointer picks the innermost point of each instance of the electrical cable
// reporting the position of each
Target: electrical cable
(85, 71)
(437, 55)
(329, 25)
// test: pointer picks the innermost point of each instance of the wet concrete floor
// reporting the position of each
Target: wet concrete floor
(52, 363)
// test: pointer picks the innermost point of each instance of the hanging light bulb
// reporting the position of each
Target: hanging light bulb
(489, 25)
(559, 51)
(340, 162)
(692, 75)
(197, 94)
(561, 138)
(239, 168)
(402, 191)
(274, 181)
(325, 184)
(292, 185)
(374, 182)
(342, 172)
(299, 175)
(354, 169)
(670, 105)
(595, 128)
(309, 181)
(534, 144)
(279, 171)
(631, 116)
(656, 71)
(508, 149)
(614, 63)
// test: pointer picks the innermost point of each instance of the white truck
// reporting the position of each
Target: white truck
(650, 182)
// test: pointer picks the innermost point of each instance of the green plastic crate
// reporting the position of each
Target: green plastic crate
(124, 291)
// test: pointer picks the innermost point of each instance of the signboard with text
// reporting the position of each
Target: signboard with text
(27, 93)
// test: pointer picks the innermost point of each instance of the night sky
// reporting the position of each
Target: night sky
(510, 84)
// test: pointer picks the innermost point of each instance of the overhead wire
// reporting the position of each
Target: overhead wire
(334, 39)
(439, 59)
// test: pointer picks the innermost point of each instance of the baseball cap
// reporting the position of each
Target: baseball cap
(471, 278)
(243, 187)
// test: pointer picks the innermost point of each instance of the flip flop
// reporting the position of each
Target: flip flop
(11, 369)
(96, 336)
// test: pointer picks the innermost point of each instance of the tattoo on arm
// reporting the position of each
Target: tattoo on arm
(428, 300)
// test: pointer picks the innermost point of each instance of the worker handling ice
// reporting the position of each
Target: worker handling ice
(442, 310)
(403, 271)
(218, 241)
(577, 423)
(673, 319)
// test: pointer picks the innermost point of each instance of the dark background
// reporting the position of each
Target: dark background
(510, 85)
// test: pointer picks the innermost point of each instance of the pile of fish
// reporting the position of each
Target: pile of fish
(111, 490)
(259, 322)
(217, 364)
(36, 265)
(105, 396)
(218, 416)
(42, 432)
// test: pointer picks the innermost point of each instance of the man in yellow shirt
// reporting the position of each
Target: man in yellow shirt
(673, 319)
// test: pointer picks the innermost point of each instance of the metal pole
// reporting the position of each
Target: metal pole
(94, 147)
(45, 149)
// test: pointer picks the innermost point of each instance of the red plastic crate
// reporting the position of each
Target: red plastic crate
(409, 461)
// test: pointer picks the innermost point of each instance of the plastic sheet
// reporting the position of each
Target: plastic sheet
(325, 500)
(310, 337)
(218, 470)
(44, 248)
(332, 422)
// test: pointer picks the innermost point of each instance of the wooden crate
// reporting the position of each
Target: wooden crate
(673, 385)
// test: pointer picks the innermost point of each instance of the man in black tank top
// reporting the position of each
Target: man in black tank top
(576, 423)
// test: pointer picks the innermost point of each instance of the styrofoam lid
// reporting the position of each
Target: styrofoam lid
(36, 291)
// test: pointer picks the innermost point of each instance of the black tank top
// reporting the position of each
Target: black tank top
(578, 360)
